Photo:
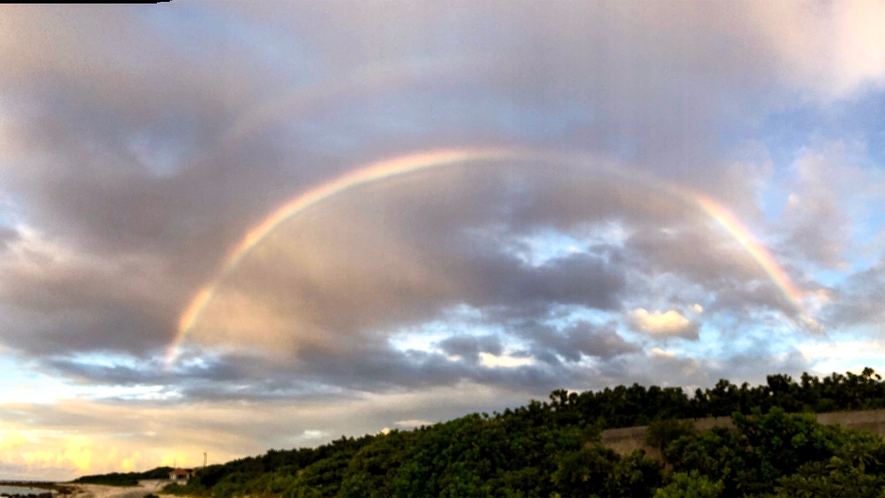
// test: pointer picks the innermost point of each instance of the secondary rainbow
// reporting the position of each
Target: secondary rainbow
(422, 161)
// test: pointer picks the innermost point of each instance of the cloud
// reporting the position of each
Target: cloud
(102, 195)
(79, 300)
(471, 347)
(816, 223)
(661, 352)
(139, 147)
(407, 273)
(304, 305)
(819, 47)
(833, 48)
(858, 301)
(8, 235)
(829, 223)
(313, 434)
(151, 434)
(578, 340)
(666, 324)
(504, 361)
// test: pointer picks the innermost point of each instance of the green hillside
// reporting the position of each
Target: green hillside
(552, 448)
(125, 479)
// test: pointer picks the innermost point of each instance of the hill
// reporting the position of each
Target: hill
(552, 448)
(125, 479)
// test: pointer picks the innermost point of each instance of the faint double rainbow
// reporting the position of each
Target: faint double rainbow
(389, 168)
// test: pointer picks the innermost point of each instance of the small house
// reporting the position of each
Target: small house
(181, 475)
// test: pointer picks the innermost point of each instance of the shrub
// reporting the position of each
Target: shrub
(662, 432)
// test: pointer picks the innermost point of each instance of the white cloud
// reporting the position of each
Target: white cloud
(660, 352)
(842, 350)
(835, 48)
(504, 361)
(852, 356)
(314, 434)
(834, 191)
(656, 323)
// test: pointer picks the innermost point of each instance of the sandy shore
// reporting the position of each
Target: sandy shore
(101, 491)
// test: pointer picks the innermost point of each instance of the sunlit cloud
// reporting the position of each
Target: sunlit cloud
(660, 352)
(669, 323)
(504, 361)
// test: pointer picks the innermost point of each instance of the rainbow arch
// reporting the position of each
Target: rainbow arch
(388, 168)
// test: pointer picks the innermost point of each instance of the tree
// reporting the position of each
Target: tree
(690, 485)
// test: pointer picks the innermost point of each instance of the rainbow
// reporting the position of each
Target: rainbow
(366, 174)
(758, 251)
(389, 168)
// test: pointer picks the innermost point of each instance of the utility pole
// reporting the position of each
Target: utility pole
(204, 459)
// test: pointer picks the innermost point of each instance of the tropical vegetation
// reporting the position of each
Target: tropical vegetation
(773, 448)
(125, 479)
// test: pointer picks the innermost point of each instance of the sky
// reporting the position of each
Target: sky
(227, 227)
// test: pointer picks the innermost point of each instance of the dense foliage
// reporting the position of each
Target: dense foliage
(776, 455)
(526, 453)
(125, 479)
(552, 449)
